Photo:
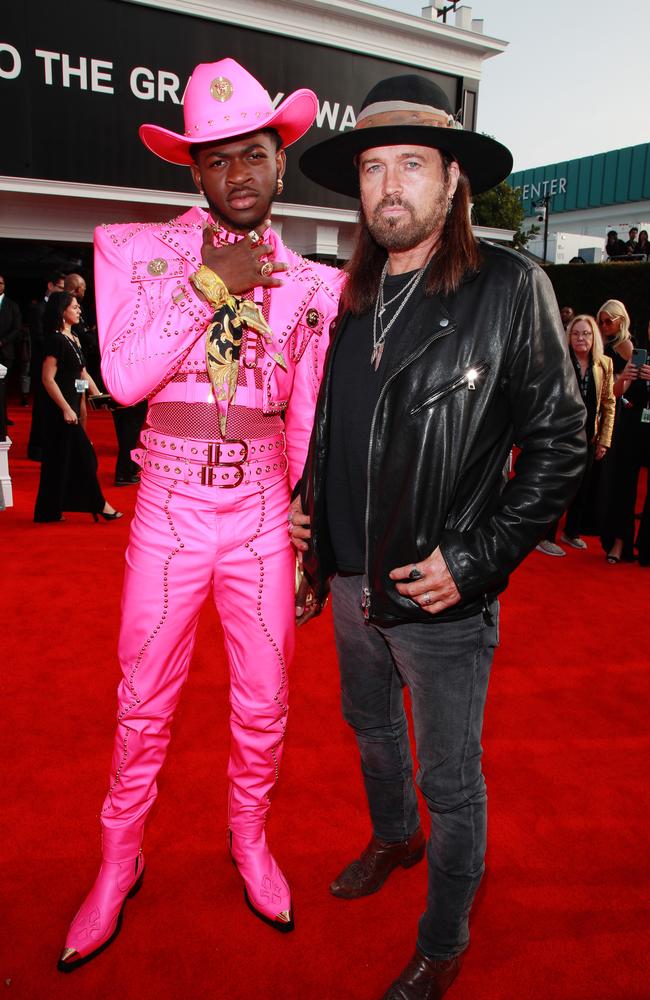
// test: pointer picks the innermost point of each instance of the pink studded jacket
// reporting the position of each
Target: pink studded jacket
(152, 329)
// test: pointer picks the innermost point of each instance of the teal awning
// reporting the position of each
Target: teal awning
(614, 178)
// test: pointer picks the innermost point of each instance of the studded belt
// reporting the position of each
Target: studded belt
(225, 464)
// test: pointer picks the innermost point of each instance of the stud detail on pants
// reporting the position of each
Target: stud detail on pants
(163, 617)
(135, 699)
(125, 754)
(260, 616)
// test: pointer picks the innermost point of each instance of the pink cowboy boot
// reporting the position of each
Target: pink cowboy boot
(265, 888)
(99, 918)
(258, 701)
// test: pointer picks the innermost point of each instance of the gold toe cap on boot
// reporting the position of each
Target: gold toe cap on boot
(66, 955)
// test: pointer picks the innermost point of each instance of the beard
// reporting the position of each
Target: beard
(399, 234)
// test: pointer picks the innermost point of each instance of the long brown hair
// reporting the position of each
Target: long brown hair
(456, 255)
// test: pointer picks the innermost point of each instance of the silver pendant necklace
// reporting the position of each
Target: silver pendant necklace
(379, 331)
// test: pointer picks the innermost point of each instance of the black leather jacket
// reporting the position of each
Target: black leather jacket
(487, 368)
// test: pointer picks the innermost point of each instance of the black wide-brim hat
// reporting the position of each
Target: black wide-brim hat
(399, 111)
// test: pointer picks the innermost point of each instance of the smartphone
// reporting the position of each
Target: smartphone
(639, 357)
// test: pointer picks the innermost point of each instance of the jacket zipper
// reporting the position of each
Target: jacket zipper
(365, 590)
(468, 378)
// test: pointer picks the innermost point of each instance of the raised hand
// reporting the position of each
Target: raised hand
(242, 265)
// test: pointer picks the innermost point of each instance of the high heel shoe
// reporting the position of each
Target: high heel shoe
(99, 918)
(107, 517)
(266, 892)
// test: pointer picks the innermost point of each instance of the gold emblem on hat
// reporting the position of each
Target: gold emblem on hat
(221, 89)
(157, 266)
(312, 317)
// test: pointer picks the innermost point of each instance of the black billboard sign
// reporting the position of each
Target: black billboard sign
(75, 87)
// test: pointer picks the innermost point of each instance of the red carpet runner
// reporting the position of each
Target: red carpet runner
(563, 910)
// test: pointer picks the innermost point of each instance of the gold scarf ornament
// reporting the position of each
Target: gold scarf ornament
(224, 335)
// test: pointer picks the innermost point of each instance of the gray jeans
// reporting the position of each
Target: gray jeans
(446, 667)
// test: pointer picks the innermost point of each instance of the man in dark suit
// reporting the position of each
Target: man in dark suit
(10, 323)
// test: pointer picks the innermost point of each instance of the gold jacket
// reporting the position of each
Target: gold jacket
(603, 372)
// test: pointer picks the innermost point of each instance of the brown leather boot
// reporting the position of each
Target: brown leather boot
(424, 978)
(369, 872)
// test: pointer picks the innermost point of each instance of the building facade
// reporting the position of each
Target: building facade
(592, 194)
(74, 89)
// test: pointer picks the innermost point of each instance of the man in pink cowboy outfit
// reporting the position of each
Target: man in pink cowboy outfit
(223, 330)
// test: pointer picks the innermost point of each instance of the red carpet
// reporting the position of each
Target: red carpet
(563, 910)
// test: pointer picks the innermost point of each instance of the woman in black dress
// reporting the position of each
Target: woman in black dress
(634, 453)
(69, 465)
(614, 325)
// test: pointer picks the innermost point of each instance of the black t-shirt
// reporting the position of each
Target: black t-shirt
(355, 391)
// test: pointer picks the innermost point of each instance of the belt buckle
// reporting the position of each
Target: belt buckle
(240, 476)
(208, 473)
(215, 456)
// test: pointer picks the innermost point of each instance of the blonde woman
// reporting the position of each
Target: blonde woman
(595, 375)
(618, 523)
(614, 325)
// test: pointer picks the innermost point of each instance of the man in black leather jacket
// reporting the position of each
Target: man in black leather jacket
(447, 353)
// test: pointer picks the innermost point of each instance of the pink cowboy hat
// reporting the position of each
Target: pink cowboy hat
(223, 100)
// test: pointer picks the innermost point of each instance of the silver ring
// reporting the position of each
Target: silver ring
(426, 599)
(266, 269)
(254, 237)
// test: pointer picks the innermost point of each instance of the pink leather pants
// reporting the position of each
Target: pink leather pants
(186, 540)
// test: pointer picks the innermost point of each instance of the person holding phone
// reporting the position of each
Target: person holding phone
(614, 324)
(633, 452)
